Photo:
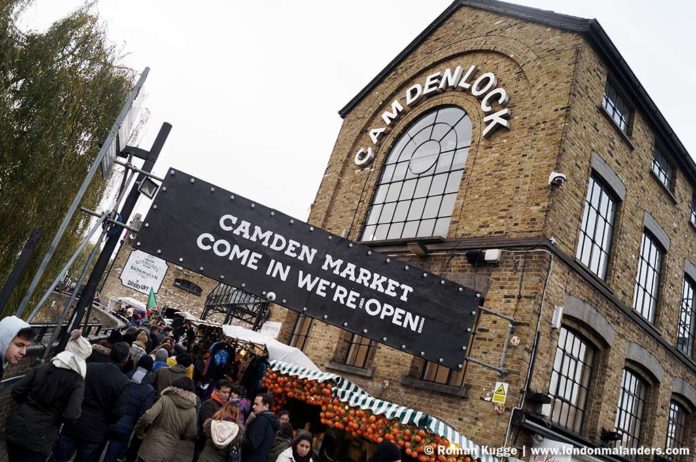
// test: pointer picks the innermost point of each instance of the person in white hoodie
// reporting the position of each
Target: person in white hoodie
(223, 435)
(15, 336)
(48, 395)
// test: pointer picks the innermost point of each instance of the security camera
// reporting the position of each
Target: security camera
(557, 179)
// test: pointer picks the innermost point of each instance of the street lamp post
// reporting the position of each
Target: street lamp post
(87, 297)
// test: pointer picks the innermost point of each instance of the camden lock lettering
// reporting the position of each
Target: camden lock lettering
(484, 87)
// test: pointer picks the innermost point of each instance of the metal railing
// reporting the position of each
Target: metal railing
(94, 332)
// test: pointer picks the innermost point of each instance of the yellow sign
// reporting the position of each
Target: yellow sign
(500, 393)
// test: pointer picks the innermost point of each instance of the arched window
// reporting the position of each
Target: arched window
(630, 414)
(416, 193)
(570, 380)
(677, 429)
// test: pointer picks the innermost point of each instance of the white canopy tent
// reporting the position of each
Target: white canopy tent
(277, 351)
(114, 302)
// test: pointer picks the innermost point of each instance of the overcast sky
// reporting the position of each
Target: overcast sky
(252, 88)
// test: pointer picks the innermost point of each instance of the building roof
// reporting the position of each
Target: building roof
(591, 31)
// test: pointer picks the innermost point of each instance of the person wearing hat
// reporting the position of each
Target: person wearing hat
(139, 347)
(79, 345)
(386, 452)
(164, 377)
(102, 350)
(161, 356)
(48, 396)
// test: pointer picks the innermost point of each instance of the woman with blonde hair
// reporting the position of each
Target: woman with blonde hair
(223, 435)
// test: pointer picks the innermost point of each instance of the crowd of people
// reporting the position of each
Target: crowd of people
(145, 394)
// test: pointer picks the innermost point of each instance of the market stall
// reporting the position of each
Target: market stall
(277, 351)
(349, 409)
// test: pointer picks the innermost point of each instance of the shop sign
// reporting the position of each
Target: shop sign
(500, 393)
(483, 87)
(143, 271)
(271, 328)
(267, 253)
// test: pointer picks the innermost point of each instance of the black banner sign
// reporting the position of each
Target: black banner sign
(246, 245)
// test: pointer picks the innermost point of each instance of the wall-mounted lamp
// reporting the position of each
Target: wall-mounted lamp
(557, 317)
(148, 187)
(417, 248)
(537, 398)
(475, 257)
(607, 435)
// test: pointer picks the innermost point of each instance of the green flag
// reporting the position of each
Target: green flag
(151, 301)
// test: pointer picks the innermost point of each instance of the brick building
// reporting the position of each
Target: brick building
(180, 288)
(512, 150)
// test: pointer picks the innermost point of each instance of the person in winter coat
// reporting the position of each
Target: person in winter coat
(282, 441)
(48, 395)
(15, 336)
(139, 347)
(139, 398)
(386, 452)
(218, 398)
(103, 404)
(168, 428)
(238, 395)
(260, 432)
(102, 350)
(299, 451)
(165, 377)
(161, 356)
(223, 435)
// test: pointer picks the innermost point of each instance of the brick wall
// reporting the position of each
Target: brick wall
(168, 295)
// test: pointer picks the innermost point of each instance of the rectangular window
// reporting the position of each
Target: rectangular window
(300, 332)
(676, 430)
(662, 169)
(693, 209)
(687, 319)
(617, 108)
(597, 227)
(647, 278)
(570, 381)
(629, 416)
(433, 372)
(359, 349)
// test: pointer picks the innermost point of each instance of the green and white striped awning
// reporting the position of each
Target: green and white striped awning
(355, 396)
(405, 415)
(339, 382)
